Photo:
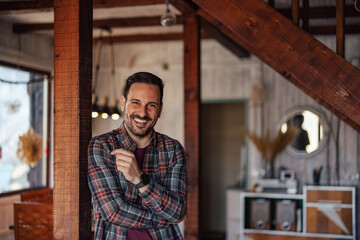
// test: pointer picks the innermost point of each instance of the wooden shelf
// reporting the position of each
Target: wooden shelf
(316, 205)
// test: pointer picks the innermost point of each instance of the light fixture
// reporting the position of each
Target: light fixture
(114, 111)
(168, 18)
(94, 107)
(103, 106)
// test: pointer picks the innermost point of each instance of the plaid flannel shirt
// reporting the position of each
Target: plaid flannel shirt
(114, 198)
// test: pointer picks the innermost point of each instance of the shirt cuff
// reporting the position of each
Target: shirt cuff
(152, 193)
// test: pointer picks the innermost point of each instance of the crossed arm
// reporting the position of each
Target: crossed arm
(164, 204)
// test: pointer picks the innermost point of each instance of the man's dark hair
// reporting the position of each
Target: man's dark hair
(144, 77)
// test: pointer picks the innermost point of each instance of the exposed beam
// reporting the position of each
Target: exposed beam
(142, 38)
(111, 23)
(6, 6)
(25, 5)
(125, 3)
(224, 40)
(299, 57)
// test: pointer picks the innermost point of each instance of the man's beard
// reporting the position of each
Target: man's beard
(141, 133)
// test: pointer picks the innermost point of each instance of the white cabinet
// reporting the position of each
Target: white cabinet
(322, 212)
(233, 214)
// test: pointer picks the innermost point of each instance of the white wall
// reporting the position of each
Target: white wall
(224, 76)
(149, 57)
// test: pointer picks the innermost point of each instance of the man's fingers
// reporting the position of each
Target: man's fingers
(122, 151)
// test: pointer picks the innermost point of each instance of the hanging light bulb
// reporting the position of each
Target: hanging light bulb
(168, 18)
(114, 111)
(94, 106)
(103, 106)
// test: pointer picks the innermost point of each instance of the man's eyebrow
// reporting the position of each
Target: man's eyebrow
(153, 103)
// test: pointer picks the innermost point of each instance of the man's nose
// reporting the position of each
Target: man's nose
(142, 111)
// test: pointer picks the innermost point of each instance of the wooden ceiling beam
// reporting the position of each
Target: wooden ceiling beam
(296, 55)
(148, 38)
(6, 6)
(141, 38)
(111, 23)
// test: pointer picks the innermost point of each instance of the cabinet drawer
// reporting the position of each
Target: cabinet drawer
(329, 220)
(329, 196)
(257, 236)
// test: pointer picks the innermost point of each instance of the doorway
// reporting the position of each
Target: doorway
(222, 163)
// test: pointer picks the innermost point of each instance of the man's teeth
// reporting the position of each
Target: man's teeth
(140, 120)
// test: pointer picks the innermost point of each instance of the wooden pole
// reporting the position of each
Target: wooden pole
(295, 11)
(192, 121)
(305, 15)
(340, 21)
(72, 117)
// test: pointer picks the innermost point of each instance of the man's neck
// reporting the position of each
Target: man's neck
(141, 142)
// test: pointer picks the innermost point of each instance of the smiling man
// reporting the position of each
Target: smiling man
(137, 177)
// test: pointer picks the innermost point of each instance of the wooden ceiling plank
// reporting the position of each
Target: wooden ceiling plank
(125, 3)
(227, 42)
(6, 6)
(296, 55)
(25, 5)
(141, 38)
(111, 23)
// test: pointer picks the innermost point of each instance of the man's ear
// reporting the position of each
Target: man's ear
(161, 107)
(123, 101)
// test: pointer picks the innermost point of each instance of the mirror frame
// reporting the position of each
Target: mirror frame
(323, 121)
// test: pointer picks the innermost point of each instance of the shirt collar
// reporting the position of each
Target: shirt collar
(127, 141)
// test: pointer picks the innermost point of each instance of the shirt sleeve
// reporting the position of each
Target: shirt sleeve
(106, 192)
(168, 201)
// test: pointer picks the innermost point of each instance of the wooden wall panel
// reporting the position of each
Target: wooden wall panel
(192, 120)
(72, 117)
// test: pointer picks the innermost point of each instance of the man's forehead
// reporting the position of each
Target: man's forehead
(145, 89)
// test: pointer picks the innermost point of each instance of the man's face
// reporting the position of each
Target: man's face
(141, 109)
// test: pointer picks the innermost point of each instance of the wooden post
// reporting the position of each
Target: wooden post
(340, 20)
(305, 15)
(192, 121)
(72, 117)
(295, 11)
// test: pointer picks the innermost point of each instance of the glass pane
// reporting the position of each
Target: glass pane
(21, 107)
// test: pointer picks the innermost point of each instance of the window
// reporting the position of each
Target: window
(23, 110)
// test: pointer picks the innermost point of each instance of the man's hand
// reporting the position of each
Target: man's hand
(127, 164)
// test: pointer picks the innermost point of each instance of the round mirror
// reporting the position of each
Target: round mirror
(313, 131)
